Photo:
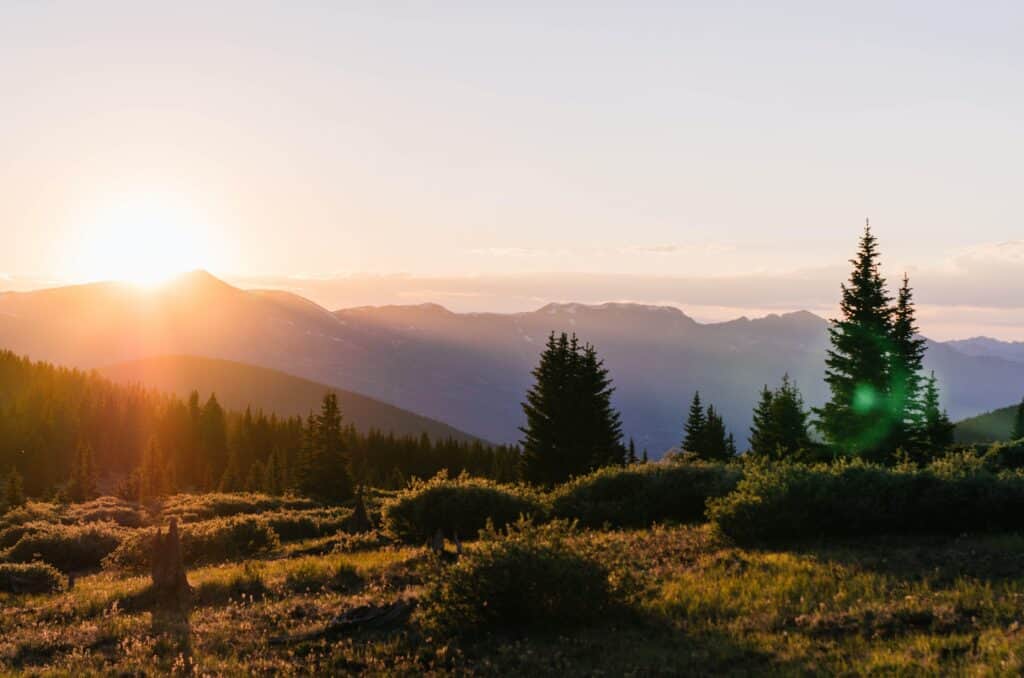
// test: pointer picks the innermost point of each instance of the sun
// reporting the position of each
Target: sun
(144, 239)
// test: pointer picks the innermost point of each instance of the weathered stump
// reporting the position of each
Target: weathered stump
(171, 589)
(359, 521)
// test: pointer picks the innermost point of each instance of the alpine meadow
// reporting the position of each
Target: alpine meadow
(339, 339)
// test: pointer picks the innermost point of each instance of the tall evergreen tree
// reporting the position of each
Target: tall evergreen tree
(631, 457)
(1018, 422)
(715, 445)
(14, 494)
(938, 429)
(858, 420)
(780, 429)
(82, 484)
(325, 473)
(696, 423)
(907, 357)
(571, 427)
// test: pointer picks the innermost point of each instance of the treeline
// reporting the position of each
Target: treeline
(882, 409)
(73, 432)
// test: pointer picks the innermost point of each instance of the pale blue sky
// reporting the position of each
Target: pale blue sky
(688, 139)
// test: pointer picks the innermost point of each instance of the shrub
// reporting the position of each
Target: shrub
(30, 512)
(529, 577)
(105, 510)
(350, 542)
(207, 542)
(295, 525)
(462, 505)
(637, 496)
(776, 504)
(9, 536)
(191, 508)
(69, 548)
(30, 578)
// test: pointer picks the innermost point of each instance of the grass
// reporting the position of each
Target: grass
(692, 602)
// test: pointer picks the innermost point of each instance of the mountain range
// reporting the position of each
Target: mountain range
(469, 370)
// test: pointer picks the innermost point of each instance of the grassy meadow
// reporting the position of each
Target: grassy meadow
(544, 598)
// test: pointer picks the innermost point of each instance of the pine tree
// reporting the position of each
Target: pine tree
(907, 358)
(857, 420)
(152, 473)
(763, 434)
(571, 427)
(780, 429)
(696, 422)
(232, 480)
(730, 447)
(714, 444)
(938, 429)
(1018, 422)
(643, 459)
(82, 485)
(325, 473)
(631, 455)
(14, 494)
(273, 475)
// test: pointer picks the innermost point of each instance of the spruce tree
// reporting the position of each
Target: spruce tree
(14, 493)
(714, 444)
(696, 422)
(82, 485)
(631, 455)
(938, 429)
(857, 419)
(325, 472)
(571, 427)
(780, 429)
(907, 356)
(1018, 422)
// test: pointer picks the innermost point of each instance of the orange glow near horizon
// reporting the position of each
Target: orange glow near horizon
(145, 240)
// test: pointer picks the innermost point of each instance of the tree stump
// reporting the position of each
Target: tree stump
(171, 589)
(359, 521)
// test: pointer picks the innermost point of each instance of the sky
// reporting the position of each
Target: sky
(721, 157)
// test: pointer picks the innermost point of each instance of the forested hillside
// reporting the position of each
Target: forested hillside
(54, 421)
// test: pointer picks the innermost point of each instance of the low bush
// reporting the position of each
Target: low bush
(192, 508)
(350, 542)
(781, 503)
(9, 536)
(637, 496)
(30, 512)
(69, 548)
(207, 542)
(461, 505)
(526, 578)
(105, 510)
(30, 578)
(294, 525)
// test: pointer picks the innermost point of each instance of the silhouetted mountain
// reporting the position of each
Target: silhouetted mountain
(996, 425)
(239, 386)
(989, 347)
(470, 370)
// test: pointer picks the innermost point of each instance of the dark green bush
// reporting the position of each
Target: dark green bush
(782, 503)
(30, 578)
(210, 541)
(69, 548)
(527, 578)
(9, 536)
(637, 496)
(462, 505)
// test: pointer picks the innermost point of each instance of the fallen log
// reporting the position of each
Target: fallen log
(362, 618)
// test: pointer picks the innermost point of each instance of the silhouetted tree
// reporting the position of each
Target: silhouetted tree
(631, 455)
(780, 429)
(325, 471)
(696, 423)
(857, 419)
(1018, 422)
(906, 364)
(571, 427)
(14, 494)
(938, 429)
(82, 485)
